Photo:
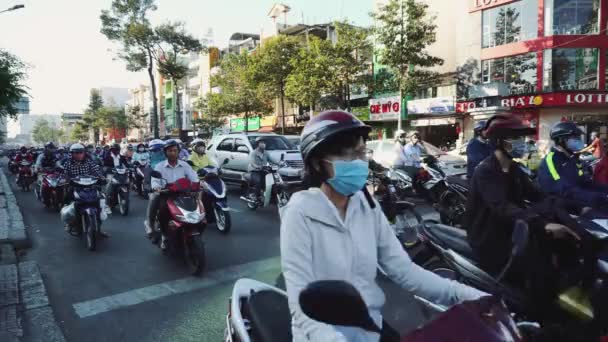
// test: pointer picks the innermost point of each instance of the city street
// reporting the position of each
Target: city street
(128, 290)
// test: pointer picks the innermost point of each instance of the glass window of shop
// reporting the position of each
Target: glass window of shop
(566, 17)
(510, 23)
(570, 69)
(518, 73)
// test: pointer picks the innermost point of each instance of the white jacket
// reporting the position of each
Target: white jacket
(317, 245)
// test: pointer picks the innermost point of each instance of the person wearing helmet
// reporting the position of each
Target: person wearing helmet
(157, 156)
(258, 158)
(48, 158)
(141, 156)
(199, 156)
(183, 151)
(170, 170)
(128, 153)
(24, 155)
(561, 172)
(411, 157)
(335, 217)
(400, 141)
(114, 159)
(596, 146)
(478, 148)
(91, 154)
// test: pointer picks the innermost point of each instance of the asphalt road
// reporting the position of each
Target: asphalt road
(128, 290)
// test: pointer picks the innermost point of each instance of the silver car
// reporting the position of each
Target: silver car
(237, 147)
(384, 154)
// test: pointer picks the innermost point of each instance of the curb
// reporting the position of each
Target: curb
(12, 229)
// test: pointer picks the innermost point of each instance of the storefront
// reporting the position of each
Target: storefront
(437, 120)
(383, 115)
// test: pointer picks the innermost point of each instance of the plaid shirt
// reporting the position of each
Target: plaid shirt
(86, 167)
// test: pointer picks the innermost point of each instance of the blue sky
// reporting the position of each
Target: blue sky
(60, 39)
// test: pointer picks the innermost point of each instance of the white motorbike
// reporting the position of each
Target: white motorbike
(274, 190)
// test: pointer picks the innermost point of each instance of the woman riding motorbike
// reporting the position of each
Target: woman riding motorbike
(335, 230)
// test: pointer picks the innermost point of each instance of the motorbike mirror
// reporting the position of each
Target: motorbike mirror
(226, 161)
(520, 237)
(336, 302)
(156, 174)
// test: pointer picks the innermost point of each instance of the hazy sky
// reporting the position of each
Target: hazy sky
(60, 39)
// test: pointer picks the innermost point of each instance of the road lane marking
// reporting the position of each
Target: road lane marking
(153, 292)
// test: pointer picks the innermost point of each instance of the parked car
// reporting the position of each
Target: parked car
(237, 147)
(384, 153)
(294, 140)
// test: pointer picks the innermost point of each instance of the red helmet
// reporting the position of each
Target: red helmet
(327, 124)
(507, 126)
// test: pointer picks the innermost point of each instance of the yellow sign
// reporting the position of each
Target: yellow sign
(538, 100)
(268, 121)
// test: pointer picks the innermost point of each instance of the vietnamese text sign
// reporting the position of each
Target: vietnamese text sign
(384, 109)
(478, 5)
(556, 99)
(238, 125)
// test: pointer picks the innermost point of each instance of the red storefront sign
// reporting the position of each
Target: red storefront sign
(478, 5)
(465, 107)
(556, 99)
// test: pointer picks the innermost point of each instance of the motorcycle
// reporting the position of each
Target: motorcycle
(274, 191)
(119, 190)
(13, 166)
(449, 255)
(51, 189)
(186, 222)
(85, 214)
(137, 177)
(214, 198)
(25, 178)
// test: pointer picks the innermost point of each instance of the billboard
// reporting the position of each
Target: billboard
(385, 109)
(238, 125)
(437, 105)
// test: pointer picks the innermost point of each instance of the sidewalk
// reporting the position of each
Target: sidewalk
(25, 313)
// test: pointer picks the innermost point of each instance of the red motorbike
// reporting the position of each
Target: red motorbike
(52, 191)
(186, 223)
(25, 176)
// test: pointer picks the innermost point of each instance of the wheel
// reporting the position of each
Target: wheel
(89, 228)
(123, 203)
(195, 255)
(406, 226)
(223, 220)
(252, 205)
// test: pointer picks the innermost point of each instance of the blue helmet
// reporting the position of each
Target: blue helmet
(156, 145)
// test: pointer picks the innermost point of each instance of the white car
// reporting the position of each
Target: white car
(384, 154)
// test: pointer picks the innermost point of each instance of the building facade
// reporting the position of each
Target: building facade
(21, 128)
(68, 121)
(139, 106)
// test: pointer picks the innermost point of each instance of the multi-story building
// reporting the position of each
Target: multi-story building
(68, 121)
(21, 128)
(140, 100)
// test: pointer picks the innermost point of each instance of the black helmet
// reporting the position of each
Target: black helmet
(563, 130)
(169, 143)
(115, 146)
(90, 147)
(49, 146)
(506, 126)
(327, 124)
(141, 145)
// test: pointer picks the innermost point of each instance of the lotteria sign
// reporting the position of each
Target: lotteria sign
(478, 5)
(556, 99)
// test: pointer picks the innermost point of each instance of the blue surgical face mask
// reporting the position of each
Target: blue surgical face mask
(349, 176)
(518, 148)
(574, 144)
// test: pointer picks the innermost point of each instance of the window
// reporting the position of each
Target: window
(564, 17)
(570, 69)
(168, 104)
(273, 142)
(239, 143)
(226, 145)
(518, 73)
(510, 23)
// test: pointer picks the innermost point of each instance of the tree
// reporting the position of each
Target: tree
(405, 30)
(311, 75)
(112, 118)
(207, 121)
(79, 133)
(89, 119)
(136, 119)
(351, 51)
(43, 132)
(12, 75)
(173, 41)
(240, 93)
(273, 64)
(127, 24)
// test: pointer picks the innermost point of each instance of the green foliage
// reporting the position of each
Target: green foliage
(136, 118)
(79, 133)
(89, 119)
(43, 132)
(112, 118)
(311, 74)
(405, 30)
(273, 63)
(12, 75)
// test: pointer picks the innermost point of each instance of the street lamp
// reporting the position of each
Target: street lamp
(16, 7)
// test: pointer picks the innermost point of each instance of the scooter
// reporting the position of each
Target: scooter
(13, 166)
(214, 198)
(273, 191)
(186, 222)
(51, 190)
(137, 177)
(119, 190)
(448, 254)
(25, 178)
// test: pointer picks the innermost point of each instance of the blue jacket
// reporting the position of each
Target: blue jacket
(156, 157)
(564, 176)
(477, 151)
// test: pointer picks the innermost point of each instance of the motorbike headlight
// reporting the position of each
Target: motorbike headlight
(190, 217)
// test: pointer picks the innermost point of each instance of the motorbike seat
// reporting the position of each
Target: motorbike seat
(453, 238)
(270, 317)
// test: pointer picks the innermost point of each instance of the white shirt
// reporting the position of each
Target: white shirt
(413, 154)
(316, 244)
(172, 173)
(116, 159)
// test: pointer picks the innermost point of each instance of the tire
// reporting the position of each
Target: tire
(123, 203)
(89, 230)
(251, 205)
(410, 219)
(223, 221)
(195, 255)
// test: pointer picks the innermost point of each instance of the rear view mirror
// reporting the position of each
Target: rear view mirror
(337, 303)
(225, 161)
(242, 149)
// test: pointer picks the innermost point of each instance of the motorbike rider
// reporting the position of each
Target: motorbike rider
(199, 157)
(113, 160)
(79, 165)
(129, 151)
(400, 141)
(258, 158)
(47, 159)
(141, 155)
(561, 172)
(183, 151)
(90, 152)
(596, 146)
(478, 148)
(336, 218)
(157, 156)
(171, 170)
(23, 155)
(412, 154)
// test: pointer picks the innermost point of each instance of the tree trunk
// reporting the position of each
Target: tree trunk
(283, 110)
(348, 97)
(177, 109)
(246, 122)
(400, 107)
(154, 114)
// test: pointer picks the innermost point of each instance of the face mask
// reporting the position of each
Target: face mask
(518, 148)
(200, 150)
(140, 150)
(349, 176)
(574, 144)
